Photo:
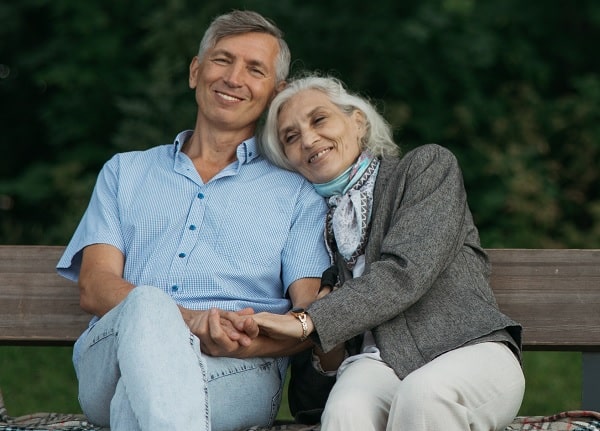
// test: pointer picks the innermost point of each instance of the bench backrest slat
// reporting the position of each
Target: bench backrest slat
(554, 294)
(36, 304)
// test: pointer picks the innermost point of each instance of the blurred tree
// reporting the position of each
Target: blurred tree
(69, 62)
(515, 99)
(511, 87)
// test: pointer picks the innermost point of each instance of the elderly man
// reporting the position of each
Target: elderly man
(177, 233)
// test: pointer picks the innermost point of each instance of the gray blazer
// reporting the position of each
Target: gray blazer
(425, 288)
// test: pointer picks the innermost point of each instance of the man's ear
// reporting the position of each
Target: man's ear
(194, 65)
(280, 86)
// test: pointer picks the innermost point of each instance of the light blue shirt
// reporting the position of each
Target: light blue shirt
(237, 241)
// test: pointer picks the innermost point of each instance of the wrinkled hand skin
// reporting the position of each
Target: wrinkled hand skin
(242, 322)
(218, 333)
(280, 326)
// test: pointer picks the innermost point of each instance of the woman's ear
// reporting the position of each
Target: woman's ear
(360, 120)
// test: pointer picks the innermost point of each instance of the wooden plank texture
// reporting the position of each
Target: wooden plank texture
(36, 304)
(554, 294)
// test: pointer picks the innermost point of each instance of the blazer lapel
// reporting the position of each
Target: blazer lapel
(386, 170)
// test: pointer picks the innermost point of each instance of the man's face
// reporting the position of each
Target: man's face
(235, 81)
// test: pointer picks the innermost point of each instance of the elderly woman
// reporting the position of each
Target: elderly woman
(434, 351)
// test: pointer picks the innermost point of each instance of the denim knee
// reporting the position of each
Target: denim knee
(150, 301)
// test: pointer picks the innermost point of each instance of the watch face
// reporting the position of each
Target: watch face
(297, 310)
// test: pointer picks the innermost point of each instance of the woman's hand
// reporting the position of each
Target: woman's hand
(331, 360)
(281, 326)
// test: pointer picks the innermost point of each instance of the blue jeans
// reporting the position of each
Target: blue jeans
(140, 368)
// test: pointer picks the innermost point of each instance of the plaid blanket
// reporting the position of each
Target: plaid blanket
(578, 420)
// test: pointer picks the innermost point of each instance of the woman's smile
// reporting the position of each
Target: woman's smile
(319, 154)
(318, 138)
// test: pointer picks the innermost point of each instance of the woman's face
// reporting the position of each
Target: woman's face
(319, 140)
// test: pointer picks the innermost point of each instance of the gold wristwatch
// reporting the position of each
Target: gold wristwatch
(300, 314)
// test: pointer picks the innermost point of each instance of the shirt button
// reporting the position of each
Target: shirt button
(200, 195)
(174, 288)
(181, 254)
(192, 227)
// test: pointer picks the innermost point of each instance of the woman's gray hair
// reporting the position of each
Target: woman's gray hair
(378, 139)
(243, 21)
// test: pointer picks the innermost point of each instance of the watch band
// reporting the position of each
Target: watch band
(300, 314)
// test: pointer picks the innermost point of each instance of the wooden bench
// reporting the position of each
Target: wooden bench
(554, 294)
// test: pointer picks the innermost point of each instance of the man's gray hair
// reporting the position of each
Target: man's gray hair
(240, 22)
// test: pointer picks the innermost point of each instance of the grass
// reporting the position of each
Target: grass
(552, 382)
(37, 379)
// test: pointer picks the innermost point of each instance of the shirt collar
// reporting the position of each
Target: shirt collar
(246, 151)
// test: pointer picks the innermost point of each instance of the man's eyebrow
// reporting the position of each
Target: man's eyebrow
(228, 54)
(222, 52)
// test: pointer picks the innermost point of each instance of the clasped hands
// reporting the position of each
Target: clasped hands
(242, 333)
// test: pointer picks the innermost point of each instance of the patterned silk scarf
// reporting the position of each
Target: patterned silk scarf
(349, 215)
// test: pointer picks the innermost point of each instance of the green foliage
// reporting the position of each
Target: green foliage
(63, 84)
(515, 99)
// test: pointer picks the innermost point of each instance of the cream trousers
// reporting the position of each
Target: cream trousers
(478, 388)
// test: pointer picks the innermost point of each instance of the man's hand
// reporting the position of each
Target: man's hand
(242, 322)
(217, 333)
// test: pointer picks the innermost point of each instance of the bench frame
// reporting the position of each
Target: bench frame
(553, 293)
